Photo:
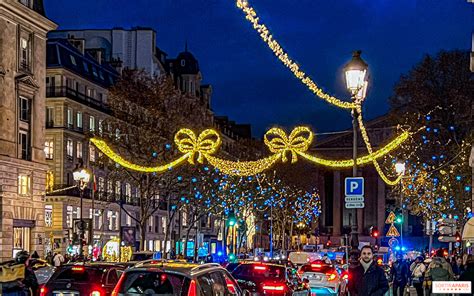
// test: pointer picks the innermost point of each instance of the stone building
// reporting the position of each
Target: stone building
(23, 29)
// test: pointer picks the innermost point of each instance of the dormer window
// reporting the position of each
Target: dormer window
(25, 51)
(27, 3)
(183, 63)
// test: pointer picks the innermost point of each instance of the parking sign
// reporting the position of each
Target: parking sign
(354, 186)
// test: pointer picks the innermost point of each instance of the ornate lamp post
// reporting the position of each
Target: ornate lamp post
(82, 176)
(356, 79)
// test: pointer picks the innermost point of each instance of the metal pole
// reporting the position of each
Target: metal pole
(354, 234)
(271, 230)
(81, 229)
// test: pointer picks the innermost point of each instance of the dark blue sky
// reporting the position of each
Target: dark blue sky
(250, 85)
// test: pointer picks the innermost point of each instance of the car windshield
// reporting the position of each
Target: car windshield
(260, 271)
(80, 274)
(141, 256)
(138, 282)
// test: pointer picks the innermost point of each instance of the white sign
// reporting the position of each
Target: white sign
(452, 287)
(354, 199)
(354, 186)
(355, 205)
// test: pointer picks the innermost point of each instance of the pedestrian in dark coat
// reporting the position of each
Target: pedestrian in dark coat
(468, 274)
(368, 279)
(399, 273)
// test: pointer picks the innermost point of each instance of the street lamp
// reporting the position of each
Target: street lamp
(356, 78)
(400, 170)
(82, 176)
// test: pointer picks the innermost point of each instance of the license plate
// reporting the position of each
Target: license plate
(318, 277)
(65, 293)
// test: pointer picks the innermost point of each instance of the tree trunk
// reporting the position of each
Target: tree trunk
(291, 234)
(142, 235)
(185, 248)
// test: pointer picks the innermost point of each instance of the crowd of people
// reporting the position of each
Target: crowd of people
(368, 278)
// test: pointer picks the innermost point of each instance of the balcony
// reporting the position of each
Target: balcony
(63, 91)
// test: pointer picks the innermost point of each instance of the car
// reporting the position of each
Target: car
(177, 278)
(94, 279)
(324, 278)
(141, 256)
(257, 278)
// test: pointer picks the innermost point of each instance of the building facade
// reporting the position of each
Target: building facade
(23, 28)
(132, 49)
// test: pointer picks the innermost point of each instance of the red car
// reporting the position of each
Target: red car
(257, 278)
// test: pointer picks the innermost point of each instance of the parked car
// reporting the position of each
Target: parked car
(94, 279)
(324, 278)
(177, 278)
(143, 255)
(257, 278)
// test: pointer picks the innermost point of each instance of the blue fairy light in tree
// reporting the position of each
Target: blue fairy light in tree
(168, 146)
(154, 154)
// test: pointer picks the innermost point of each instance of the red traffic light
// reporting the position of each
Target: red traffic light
(374, 231)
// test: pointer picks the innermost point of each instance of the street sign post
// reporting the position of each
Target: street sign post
(349, 199)
(354, 192)
(355, 205)
(354, 186)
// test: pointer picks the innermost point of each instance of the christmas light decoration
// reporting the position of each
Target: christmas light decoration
(203, 146)
(251, 16)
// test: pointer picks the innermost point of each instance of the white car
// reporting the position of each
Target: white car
(323, 278)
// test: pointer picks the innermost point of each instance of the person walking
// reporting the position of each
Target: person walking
(399, 275)
(439, 269)
(468, 274)
(28, 285)
(417, 270)
(58, 259)
(458, 267)
(368, 279)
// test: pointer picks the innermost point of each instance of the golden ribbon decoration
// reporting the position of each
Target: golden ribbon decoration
(278, 142)
(206, 143)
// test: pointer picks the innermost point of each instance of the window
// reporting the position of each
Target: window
(49, 117)
(150, 223)
(91, 123)
(25, 52)
(79, 149)
(24, 145)
(110, 220)
(109, 187)
(128, 192)
(97, 219)
(117, 134)
(69, 118)
(48, 215)
(128, 219)
(69, 149)
(163, 224)
(183, 63)
(24, 109)
(101, 128)
(91, 153)
(24, 184)
(27, 3)
(117, 190)
(49, 149)
(185, 219)
(73, 60)
(101, 186)
(69, 216)
(79, 119)
(22, 238)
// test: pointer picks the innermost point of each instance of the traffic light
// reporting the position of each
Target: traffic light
(399, 219)
(374, 231)
(232, 258)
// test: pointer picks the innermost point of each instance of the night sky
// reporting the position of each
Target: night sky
(250, 85)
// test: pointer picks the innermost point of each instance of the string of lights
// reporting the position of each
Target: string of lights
(278, 142)
(274, 45)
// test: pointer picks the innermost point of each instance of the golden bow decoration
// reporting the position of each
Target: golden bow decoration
(206, 143)
(298, 141)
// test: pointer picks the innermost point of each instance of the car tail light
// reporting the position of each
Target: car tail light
(78, 268)
(230, 286)
(96, 293)
(192, 288)
(271, 287)
(43, 290)
(260, 267)
(316, 265)
(345, 276)
(118, 286)
(331, 276)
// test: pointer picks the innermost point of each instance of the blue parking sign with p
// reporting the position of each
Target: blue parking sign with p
(354, 186)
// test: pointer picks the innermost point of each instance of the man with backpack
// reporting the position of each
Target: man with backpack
(399, 274)
(26, 282)
(58, 259)
(439, 269)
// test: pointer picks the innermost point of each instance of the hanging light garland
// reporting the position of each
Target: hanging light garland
(284, 147)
